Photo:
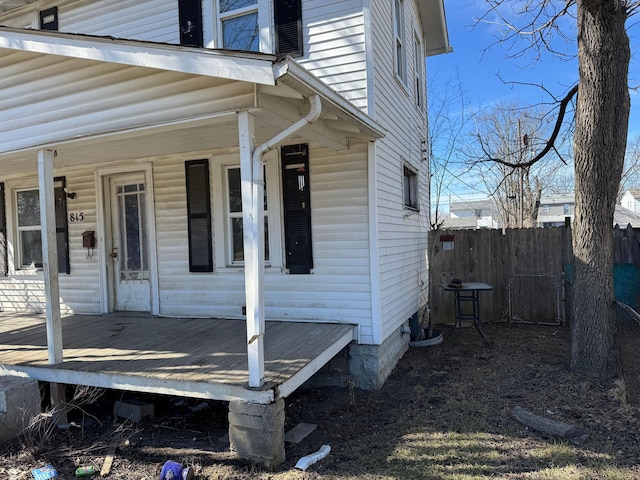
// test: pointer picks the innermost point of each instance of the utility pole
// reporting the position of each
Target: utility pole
(523, 143)
(520, 186)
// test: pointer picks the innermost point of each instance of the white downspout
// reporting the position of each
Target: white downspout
(254, 255)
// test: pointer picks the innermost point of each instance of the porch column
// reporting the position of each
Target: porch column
(253, 230)
(50, 267)
(50, 255)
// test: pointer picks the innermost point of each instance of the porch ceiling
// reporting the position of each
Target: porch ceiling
(96, 100)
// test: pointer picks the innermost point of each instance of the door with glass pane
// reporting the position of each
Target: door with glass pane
(129, 243)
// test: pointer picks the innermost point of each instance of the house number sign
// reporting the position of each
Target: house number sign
(76, 216)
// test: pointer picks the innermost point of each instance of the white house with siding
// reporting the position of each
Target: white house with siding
(255, 160)
(631, 200)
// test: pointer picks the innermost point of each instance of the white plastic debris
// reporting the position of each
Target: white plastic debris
(307, 461)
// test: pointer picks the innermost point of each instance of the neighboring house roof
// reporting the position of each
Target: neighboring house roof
(557, 199)
(471, 205)
(634, 192)
(459, 223)
(623, 217)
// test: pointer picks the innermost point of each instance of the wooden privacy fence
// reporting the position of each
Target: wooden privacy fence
(531, 260)
(495, 257)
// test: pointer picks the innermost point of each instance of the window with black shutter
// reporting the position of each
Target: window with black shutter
(4, 270)
(288, 23)
(49, 19)
(199, 216)
(297, 208)
(190, 12)
(62, 226)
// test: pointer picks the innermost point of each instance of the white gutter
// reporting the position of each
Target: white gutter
(301, 76)
(311, 117)
(253, 224)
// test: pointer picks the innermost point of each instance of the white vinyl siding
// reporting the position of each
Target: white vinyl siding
(401, 233)
(150, 20)
(338, 290)
(334, 48)
(80, 290)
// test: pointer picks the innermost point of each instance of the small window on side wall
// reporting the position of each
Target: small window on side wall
(410, 187)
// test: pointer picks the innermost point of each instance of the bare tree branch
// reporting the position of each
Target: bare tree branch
(550, 144)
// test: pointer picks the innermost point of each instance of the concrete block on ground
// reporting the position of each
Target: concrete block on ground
(19, 403)
(256, 432)
(133, 410)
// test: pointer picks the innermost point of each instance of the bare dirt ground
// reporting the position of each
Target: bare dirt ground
(445, 413)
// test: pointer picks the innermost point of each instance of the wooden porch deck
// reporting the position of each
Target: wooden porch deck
(202, 358)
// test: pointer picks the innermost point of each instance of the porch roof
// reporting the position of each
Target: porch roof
(201, 358)
(112, 99)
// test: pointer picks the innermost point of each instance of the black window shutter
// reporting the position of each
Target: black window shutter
(4, 270)
(297, 208)
(199, 216)
(62, 226)
(190, 12)
(288, 22)
(49, 19)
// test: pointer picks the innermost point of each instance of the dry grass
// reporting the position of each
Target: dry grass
(443, 414)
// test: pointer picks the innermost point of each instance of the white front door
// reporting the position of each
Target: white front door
(130, 243)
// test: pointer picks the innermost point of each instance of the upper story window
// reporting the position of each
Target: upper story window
(246, 25)
(239, 24)
(418, 72)
(545, 209)
(399, 39)
(567, 209)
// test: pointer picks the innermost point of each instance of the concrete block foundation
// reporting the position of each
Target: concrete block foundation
(366, 367)
(19, 402)
(256, 432)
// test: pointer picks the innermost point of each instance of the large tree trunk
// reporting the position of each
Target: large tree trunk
(599, 145)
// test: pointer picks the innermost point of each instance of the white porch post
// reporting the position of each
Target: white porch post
(253, 229)
(50, 267)
(50, 255)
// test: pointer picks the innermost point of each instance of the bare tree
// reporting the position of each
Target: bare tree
(513, 134)
(599, 139)
(449, 116)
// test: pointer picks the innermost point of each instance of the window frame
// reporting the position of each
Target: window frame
(223, 240)
(212, 25)
(410, 188)
(399, 41)
(20, 265)
(419, 73)
(15, 251)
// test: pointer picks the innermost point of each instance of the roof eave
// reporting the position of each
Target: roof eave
(240, 66)
(434, 25)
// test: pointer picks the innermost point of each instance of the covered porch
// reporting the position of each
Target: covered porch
(200, 358)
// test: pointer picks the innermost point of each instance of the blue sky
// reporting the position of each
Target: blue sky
(480, 70)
